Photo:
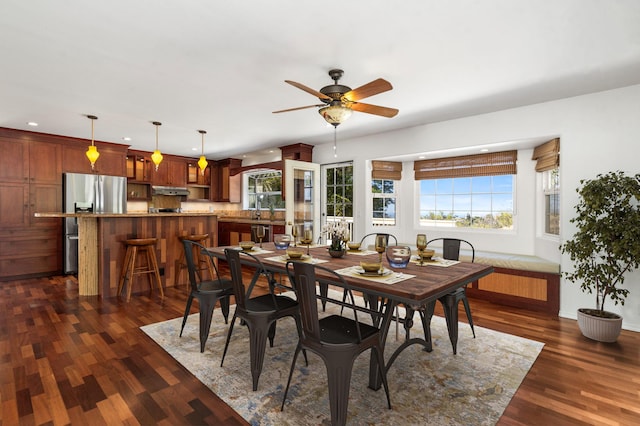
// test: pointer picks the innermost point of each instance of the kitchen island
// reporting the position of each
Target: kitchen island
(101, 249)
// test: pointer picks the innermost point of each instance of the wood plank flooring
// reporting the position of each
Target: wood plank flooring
(66, 359)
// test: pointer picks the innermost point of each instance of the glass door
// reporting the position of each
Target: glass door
(302, 196)
(337, 198)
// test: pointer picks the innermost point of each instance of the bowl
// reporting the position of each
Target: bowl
(398, 256)
(294, 254)
(370, 266)
(246, 245)
(281, 241)
(353, 245)
(427, 254)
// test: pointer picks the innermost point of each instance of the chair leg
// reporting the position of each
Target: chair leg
(257, 346)
(224, 305)
(272, 333)
(156, 272)
(339, 382)
(125, 270)
(207, 304)
(450, 307)
(467, 309)
(226, 345)
(293, 364)
(186, 312)
(130, 270)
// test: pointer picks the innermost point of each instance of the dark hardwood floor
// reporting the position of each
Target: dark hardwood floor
(66, 359)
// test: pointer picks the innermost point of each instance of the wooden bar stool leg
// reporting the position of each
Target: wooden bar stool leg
(130, 271)
(125, 269)
(156, 271)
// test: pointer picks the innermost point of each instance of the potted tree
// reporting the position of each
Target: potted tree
(605, 248)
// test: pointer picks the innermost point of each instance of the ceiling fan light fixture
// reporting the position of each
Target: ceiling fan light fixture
(335, 114)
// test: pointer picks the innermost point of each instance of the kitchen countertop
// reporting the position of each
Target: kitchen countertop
(244, 219)
(123, 215)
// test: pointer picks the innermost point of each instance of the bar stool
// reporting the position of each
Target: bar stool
(202, 261)
(145, 246)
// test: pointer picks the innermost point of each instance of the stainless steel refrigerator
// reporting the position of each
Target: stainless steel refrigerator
(84, 193)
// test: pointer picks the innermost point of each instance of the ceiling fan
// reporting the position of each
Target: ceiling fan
(339, 100)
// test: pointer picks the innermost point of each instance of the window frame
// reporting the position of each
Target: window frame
(250, 197)
(384, 196)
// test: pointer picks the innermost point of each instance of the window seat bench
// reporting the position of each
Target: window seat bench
(522, 281)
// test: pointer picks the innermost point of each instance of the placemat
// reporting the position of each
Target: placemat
(435, 261)
(361, 252)
(307, 259)
(391, 278)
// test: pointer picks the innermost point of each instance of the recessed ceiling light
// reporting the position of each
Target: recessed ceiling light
(194, 149)
(244, 155)
(484, 150)
(126, 138)
(421, 157)
(270, 151)
(32, 123)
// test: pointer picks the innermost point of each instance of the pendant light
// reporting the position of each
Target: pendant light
(92, 151)
(156, 157)
(202, 162)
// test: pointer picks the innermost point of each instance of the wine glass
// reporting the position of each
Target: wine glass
(260, 233)
(381, 247)
(307, 238)
(421, 244)
(294, 233)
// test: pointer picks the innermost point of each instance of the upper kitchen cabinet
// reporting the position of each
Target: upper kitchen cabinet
(29, 161)
(171, 172)
(111, 161)
(139, 167)
(225, 186)
(195, 176)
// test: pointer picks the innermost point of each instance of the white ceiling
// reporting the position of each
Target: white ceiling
(221, 66)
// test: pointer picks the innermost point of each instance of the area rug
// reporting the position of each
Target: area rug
(437, 388)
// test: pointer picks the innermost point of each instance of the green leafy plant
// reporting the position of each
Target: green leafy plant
(607, 243)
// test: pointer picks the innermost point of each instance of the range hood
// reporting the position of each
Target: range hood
(169, 190)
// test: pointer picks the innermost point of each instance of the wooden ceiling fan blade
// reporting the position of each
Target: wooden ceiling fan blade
(297, 108)
(374, 109)
(308, 90)
(372, 88)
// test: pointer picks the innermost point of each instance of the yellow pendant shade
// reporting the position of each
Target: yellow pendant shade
(202, 163)
(92, 154)
(92, 150)
(156, 157)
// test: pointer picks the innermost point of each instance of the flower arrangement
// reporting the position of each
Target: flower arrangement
(338, 232)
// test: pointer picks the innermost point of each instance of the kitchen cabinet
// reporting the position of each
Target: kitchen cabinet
(224, 186)
(231, 233)
(111, 161)
(195, 175)
(171, 172)
(139, 167)
(30, 181)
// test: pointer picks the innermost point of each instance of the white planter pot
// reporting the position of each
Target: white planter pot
(598, 328)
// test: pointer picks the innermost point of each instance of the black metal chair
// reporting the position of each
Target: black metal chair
(450, 251)
(338, 340)
(259, 313)
(207, 292)
(387, 238)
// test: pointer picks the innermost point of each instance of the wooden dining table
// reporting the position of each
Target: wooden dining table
(415, 287)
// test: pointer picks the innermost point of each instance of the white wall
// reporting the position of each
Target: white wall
(598, 133)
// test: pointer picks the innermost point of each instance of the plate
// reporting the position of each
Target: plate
(385, 272)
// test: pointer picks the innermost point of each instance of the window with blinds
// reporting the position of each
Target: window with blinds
(472, 191)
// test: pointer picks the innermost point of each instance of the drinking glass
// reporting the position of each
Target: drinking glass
(294, 233)
(260, 233)
(381, 247)
(421, 244)
(307, 238)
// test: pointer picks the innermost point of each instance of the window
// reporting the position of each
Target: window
(339, 184)
(551, 191)
(384, 202)
(472, 191)
(547, 158)
(264, 190)
(472, 202)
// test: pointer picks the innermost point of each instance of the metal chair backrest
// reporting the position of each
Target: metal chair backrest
(451, 248)
(303, 278)
(194, 273)
(242, 293)
(387, 237)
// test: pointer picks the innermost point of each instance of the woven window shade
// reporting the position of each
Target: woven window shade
(547, 155)
(491, 164)
(386, 170)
